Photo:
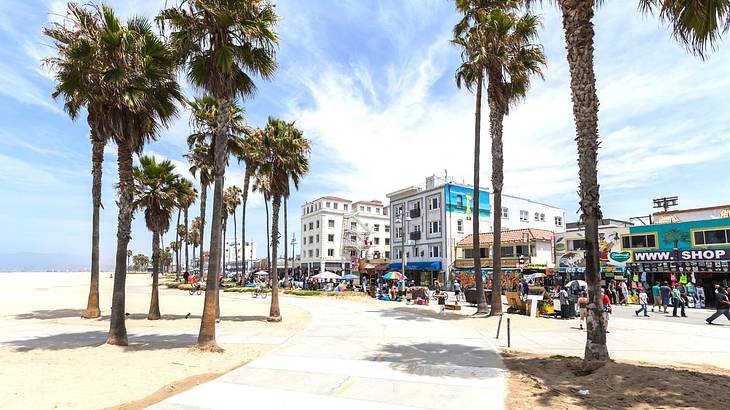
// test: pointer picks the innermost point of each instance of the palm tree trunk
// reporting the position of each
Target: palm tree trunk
(154, 313)
(246, 185)
(177, 246)
(235, 240)
(268, 244)
(496, 117)
(203, 200)
(577, 16)
(187, 234)
(206, 336)
(117, 329)
(286, 253)
(482, 307)
(274, 312)
(97, 158)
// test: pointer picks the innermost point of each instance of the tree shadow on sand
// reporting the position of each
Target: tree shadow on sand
(66, 341)
(441, 359)
(76, 313)
(50, 314)
(555, 381)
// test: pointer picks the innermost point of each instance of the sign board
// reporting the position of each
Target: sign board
(683, 255)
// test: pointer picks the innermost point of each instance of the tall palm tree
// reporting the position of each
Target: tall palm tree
(286, 252)
(232, 198)
(222, 43)
(286, 159)
(194, 236)
(156, 191)
(200, 166)
(698, 26)
(82, 85)
(249, 151)
(504, 43)
(139, 79)
(188, 195)
(129, 255)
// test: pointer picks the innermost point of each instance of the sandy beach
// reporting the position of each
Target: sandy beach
(54, 359)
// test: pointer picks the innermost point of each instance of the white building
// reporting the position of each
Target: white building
(336, 232)
(233, 248)
(439, 214)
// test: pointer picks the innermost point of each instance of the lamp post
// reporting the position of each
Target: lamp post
(293, 242)
(402, 220)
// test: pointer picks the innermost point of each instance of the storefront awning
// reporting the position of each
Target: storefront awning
(434, 266)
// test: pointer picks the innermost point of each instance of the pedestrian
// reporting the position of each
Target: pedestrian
(606, 309)
(723, 306)
(457, 289)
(665, 291)
(643, 301)
(186, 274)
(677, 301)
(583, 308)
(441, 296)
(437, 286)
(656, 298)
(700, 296)
(624, 292)
(564, 303)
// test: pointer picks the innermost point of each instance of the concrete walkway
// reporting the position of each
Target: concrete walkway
(361, 356)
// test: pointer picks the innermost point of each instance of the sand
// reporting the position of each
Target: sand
(51, 358)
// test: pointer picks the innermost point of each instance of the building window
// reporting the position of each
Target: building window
(524, 216)
(433, 203)
(639, 241)
(387, 241)
(330, 238)
(577, 245)
(311, 225)
(712, 237)
(353, 253)
(310, 253)
(434, 253)
(316, 254)
(331, 223)
(387, 254)
(376, 227)
(330, 252)
(377, 241)
(460, 226)
(370, 209)
(304, 240)
(537, 216)
(345, 207)
(505, 212)
(433, 227)
(311, 239)
(508, 251)
(353, 238)
(417, 228)
(317, 224)
(377, 211)
(542, 217)
(558, 221)
(335, 205)
(327, 204)
(387, 228)
(459, 201)
(523, 250)
(362, 208)
(469, 253)
(304, 228)
(399, 232)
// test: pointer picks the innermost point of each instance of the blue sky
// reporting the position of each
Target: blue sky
(371, 83)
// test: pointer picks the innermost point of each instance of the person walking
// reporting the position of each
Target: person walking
(723, 306)
(457, 290)
(677, 301)
(643, 301)
(656, 298)
(606, 309)
(441, 296)
(564, 303)
(583, 308)
(665, 291)
(624, 292)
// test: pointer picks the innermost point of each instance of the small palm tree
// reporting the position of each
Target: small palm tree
(674, 236)
(156, 191)
(498, 42)
(286, 159)
(188, 195)
(222, 43)
(232, 199)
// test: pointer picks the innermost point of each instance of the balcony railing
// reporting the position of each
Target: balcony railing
(415, 213)
(415, 236)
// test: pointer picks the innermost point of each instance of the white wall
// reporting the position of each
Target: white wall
(515, 205)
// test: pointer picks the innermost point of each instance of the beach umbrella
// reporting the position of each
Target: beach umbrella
(350, 276)
(394, 275)
(262, 273)
(327, 275)
(581, 284)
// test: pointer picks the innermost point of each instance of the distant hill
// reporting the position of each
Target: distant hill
(34, 261)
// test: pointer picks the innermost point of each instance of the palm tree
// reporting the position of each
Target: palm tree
(232, 199)
(129, 255)
(194, 237)
(200, 165)
(82, 85)
(286, 158)
(503, 43)
(249, 151)
(674, 236)
(222, 42)
(695, 24)
(140, 83)
(188, 195)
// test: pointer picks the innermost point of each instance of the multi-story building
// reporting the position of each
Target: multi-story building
(234, 250)
(337, 233)
(570, 248)
(436, 216)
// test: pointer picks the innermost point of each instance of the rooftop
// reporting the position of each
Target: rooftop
(516, 235)
(371, 202)
(679, 211)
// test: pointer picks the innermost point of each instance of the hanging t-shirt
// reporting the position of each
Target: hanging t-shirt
(643, 276)
(683, 278)
(673, 277)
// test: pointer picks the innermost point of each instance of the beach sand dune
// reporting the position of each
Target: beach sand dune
(51, 358)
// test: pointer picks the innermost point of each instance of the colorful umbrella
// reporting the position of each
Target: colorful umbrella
(393, 275)
(350, 276)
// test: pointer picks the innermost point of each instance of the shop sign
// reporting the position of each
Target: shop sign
(683, 255)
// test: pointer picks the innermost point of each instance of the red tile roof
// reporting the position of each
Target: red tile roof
(510, 236)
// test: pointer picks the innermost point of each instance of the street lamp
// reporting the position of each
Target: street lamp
(293, 242)
(402, 220)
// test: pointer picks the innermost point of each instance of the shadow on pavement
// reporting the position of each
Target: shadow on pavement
(69, 313)
(538, 381)
(419, 313)
(452, 359)
(66, 341)
(50, 314)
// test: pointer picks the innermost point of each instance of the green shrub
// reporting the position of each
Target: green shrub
(187, 286)
(170, 284)
(302, 292)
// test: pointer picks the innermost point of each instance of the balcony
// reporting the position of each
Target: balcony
(415, 236)
(415, 213)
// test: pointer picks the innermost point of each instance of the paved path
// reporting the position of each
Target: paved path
(361, 356)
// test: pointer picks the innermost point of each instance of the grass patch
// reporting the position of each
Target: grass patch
(322, 293)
